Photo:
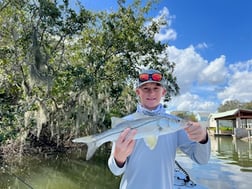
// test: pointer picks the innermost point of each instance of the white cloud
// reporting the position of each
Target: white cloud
(191, 102)
(188, 70)
(215, 72)
(240, 82)
(204, 84)
(201, 46)
(166, 32)
(189, 65)
(241, 66)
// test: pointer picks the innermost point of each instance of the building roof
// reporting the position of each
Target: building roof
(232, 114)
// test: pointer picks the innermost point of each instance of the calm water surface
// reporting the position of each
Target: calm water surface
(230, 167)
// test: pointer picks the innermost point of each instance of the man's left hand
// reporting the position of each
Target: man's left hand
(196, 132)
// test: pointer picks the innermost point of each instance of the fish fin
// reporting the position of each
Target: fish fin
(139, 115)
(115, 121)
(91, 144)
(151, 141)
(91, 150)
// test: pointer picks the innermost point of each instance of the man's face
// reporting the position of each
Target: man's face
(150, 95)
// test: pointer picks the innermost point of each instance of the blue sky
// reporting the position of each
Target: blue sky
(211, 43)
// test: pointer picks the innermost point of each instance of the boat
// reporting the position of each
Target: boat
(182, 179)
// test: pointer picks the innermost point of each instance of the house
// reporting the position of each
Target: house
(240, 120)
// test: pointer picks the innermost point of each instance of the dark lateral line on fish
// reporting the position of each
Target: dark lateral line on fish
(123, 129)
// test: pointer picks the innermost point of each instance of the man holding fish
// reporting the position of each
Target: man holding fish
(146, 156)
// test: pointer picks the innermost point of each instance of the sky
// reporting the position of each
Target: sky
(211, 43)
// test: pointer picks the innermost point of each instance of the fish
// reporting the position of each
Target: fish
(148, 128)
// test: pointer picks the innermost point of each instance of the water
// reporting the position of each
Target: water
(230, 167)
(62, 172)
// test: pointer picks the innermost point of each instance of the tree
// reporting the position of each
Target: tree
(230, 105)
(32, 48)
(69, 71)
(248, 105)
(112, 52)
(186, 115)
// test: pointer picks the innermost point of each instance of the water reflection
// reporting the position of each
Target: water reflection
(60, 173)
(230, 166)
(233, 150)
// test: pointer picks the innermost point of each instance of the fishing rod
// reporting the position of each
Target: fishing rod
(187, 179)
(16, 176)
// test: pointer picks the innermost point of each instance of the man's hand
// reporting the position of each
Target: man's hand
(196, 132)
(124, 146)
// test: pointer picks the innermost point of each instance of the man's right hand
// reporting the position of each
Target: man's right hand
(124, 146)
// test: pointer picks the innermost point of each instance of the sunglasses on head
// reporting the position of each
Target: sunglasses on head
(154, 77)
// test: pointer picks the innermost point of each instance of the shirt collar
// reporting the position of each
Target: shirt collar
(157, 111)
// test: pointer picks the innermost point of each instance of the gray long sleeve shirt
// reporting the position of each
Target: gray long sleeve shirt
(150, 169)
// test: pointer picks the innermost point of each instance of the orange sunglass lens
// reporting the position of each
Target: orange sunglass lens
(156, 77)
(144, 77)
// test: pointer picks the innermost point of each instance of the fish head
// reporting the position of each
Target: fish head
(163, 123)
(167, 124)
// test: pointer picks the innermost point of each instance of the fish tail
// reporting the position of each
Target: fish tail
(91, 143)
(92, 147)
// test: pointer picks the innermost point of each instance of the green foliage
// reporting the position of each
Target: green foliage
(186, 115)
(234, 104)
(248, 105)
(8, 120)
(229, 105)
(225, 128)
(67, 72)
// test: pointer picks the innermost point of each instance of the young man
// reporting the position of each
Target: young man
(143, 168)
